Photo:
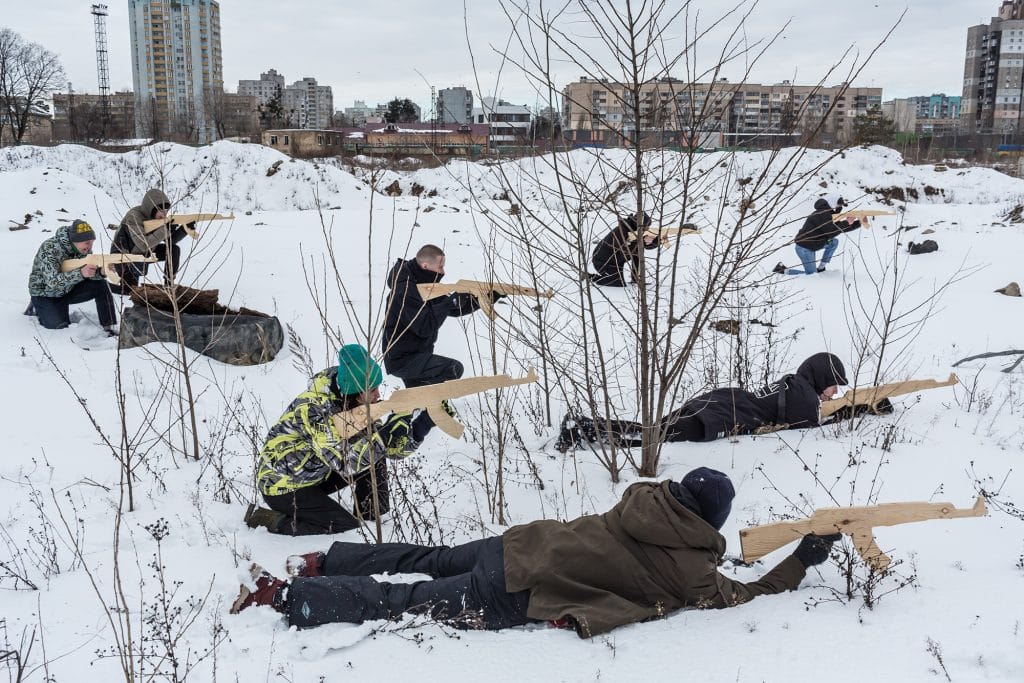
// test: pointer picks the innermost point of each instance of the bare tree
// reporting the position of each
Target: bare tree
(28, 73)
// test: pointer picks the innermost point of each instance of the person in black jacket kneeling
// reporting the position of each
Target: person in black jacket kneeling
(819, 232)
(792, 402)
(617, 249)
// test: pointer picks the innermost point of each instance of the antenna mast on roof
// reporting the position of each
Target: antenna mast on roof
(99, 14)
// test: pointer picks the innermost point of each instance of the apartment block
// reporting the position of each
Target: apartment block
(176, 63)
(308, 104)
(993, 71)
(927, 114)
(454, 105)
(81, 117)
(600, 112)
(269, 85)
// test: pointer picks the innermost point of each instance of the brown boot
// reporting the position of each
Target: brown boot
(262, 517)
(269, 590)
(307, 565)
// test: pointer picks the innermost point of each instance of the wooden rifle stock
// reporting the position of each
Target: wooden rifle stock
(101, 261)
(481, 290)
(183, 219)
(863, 215)
(857, 522)
(663, 234)
(872, 396)
(353, 421)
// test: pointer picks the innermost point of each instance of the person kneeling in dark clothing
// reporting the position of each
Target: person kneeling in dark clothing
(820, 231)
(792, 402)
(305, 458)
(617, 249)
(132, 238)
(655, 552)
(53, 291)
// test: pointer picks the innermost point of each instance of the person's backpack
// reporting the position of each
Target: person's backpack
(926, 247)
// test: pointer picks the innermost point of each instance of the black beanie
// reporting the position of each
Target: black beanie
(713, 492)
(80, 231)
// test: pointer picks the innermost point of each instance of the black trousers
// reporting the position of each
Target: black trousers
(131, 272)
(312, 510)
(52, 311)
(677, 425)
(609, 272)
(467, 591)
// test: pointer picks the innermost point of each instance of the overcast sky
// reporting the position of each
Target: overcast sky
(374, 51)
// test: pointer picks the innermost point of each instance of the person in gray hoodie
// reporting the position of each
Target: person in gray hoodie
(132, 238)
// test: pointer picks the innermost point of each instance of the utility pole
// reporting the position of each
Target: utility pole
(99, 14)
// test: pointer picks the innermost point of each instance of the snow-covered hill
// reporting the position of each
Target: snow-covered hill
(952, 607)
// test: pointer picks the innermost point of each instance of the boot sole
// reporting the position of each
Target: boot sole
(243, 595)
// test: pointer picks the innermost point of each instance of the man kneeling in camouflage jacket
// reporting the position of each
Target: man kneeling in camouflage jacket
(653, 553)
(305, 459)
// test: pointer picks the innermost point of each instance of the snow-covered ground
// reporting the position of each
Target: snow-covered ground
(959, 614)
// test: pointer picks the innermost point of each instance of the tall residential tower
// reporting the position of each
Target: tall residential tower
(177, 67)
(993, 71)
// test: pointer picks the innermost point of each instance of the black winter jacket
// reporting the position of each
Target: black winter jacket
(819, 227)
(792, 401)
(616, 249)
(410, 325)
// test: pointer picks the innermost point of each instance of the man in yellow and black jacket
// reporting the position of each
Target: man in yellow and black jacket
(305, 459)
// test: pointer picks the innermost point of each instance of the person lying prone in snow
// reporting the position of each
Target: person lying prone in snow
(792, 402)
(655, 552)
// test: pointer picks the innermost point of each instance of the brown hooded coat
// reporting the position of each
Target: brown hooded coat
(646, 557)
(142, 242)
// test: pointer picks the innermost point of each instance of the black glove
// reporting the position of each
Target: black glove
(814, 549)
(495, 297)
(883, 407)
(178, 234)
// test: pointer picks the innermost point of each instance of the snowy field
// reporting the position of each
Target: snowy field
(952, 607)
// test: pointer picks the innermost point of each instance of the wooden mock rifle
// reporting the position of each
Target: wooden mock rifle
(872, 396)
(183, 219)
(663, 234)
(101, 261)
(858, 522)
(481, 290)
(862, 215)
(353, 421)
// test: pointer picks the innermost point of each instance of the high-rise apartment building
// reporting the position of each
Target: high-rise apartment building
(269, 86)
(994, 71)
(308, 105)
(454, 105)
(176, 65)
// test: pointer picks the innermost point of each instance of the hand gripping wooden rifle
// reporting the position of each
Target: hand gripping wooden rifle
(862, 215)
(183, 219)
(872, 396)
(481, 290)
(663, 234)
(429, 397)
(858, 522)
(101, 261)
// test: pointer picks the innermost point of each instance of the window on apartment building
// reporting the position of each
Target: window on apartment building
(286, 139)
(320, 140)
(273, 139)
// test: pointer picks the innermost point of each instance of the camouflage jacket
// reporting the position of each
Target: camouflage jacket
(134, 231)
(304, 447)
(46, 278)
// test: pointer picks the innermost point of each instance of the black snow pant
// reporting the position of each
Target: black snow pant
(676, 425)
(131, 272)
(312, 510)
(422, 369)
(52, 311)
(467, 591)
(609, 272)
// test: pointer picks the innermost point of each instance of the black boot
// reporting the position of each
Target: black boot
(256, 517)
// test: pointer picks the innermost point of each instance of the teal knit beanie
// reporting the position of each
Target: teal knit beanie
(357, 371)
